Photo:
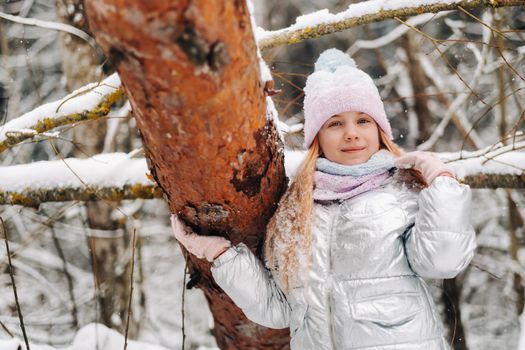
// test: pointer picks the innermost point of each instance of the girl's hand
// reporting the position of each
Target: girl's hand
(426, 163)
(209, 247)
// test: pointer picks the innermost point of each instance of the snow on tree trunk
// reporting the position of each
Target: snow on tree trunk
(191, 72)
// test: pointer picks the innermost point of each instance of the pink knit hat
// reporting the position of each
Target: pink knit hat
(338, 86)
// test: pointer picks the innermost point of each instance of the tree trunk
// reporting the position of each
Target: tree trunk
(451, 299)
(419, 84)
(191, 72)
(82, 65)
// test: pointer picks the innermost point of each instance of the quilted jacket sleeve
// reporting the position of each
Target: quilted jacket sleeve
(251, 287)
(442, 241)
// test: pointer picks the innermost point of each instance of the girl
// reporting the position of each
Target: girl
(348, 248)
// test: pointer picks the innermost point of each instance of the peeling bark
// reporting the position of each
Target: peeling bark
(191, 73)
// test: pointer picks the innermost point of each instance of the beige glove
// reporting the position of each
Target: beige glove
(426, 163)
(209, 247)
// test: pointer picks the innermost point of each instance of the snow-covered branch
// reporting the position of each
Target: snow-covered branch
(118, 176)
(492, 167)
(89, 102)
(322, 22)
(111, 176)
(495, 181)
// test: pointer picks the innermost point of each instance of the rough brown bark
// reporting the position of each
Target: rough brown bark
(191, 72)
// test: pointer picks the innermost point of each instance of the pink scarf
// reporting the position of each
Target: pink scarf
(334, 181)
(333, 187)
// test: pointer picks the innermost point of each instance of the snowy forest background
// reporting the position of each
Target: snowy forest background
(73, 260)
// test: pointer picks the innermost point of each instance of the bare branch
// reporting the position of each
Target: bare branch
(51, 25)
(365, 13)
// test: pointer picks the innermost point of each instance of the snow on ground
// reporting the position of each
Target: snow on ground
(46, 311)
(521, 344)
(93, 336)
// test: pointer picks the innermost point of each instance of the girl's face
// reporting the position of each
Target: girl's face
(349, 138)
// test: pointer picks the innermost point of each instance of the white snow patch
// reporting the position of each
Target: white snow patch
(93, 336)
(521, 342)
(292, 162)
(508, 159)
(264, 70)
(103, 170)
(18, 344)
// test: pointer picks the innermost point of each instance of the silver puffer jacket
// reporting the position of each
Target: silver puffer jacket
(365, 288)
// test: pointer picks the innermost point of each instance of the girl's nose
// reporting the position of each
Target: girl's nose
(351, 131)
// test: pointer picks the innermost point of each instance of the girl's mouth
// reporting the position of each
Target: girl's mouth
(353, 149)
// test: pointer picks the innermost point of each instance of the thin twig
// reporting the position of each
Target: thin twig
(490, 108)
(142, 293)
(36, 233)
(68, 276)
(130, 289)
(443, 57)
(93, 260)
(485, 270)
(84, 92)
(11, 273)
(183, 297)
(494, 30)
(6, 329)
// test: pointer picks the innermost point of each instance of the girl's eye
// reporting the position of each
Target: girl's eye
(335, 123)
(363, 120)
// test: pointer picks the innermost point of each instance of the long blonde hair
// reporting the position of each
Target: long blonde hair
(289, 232)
